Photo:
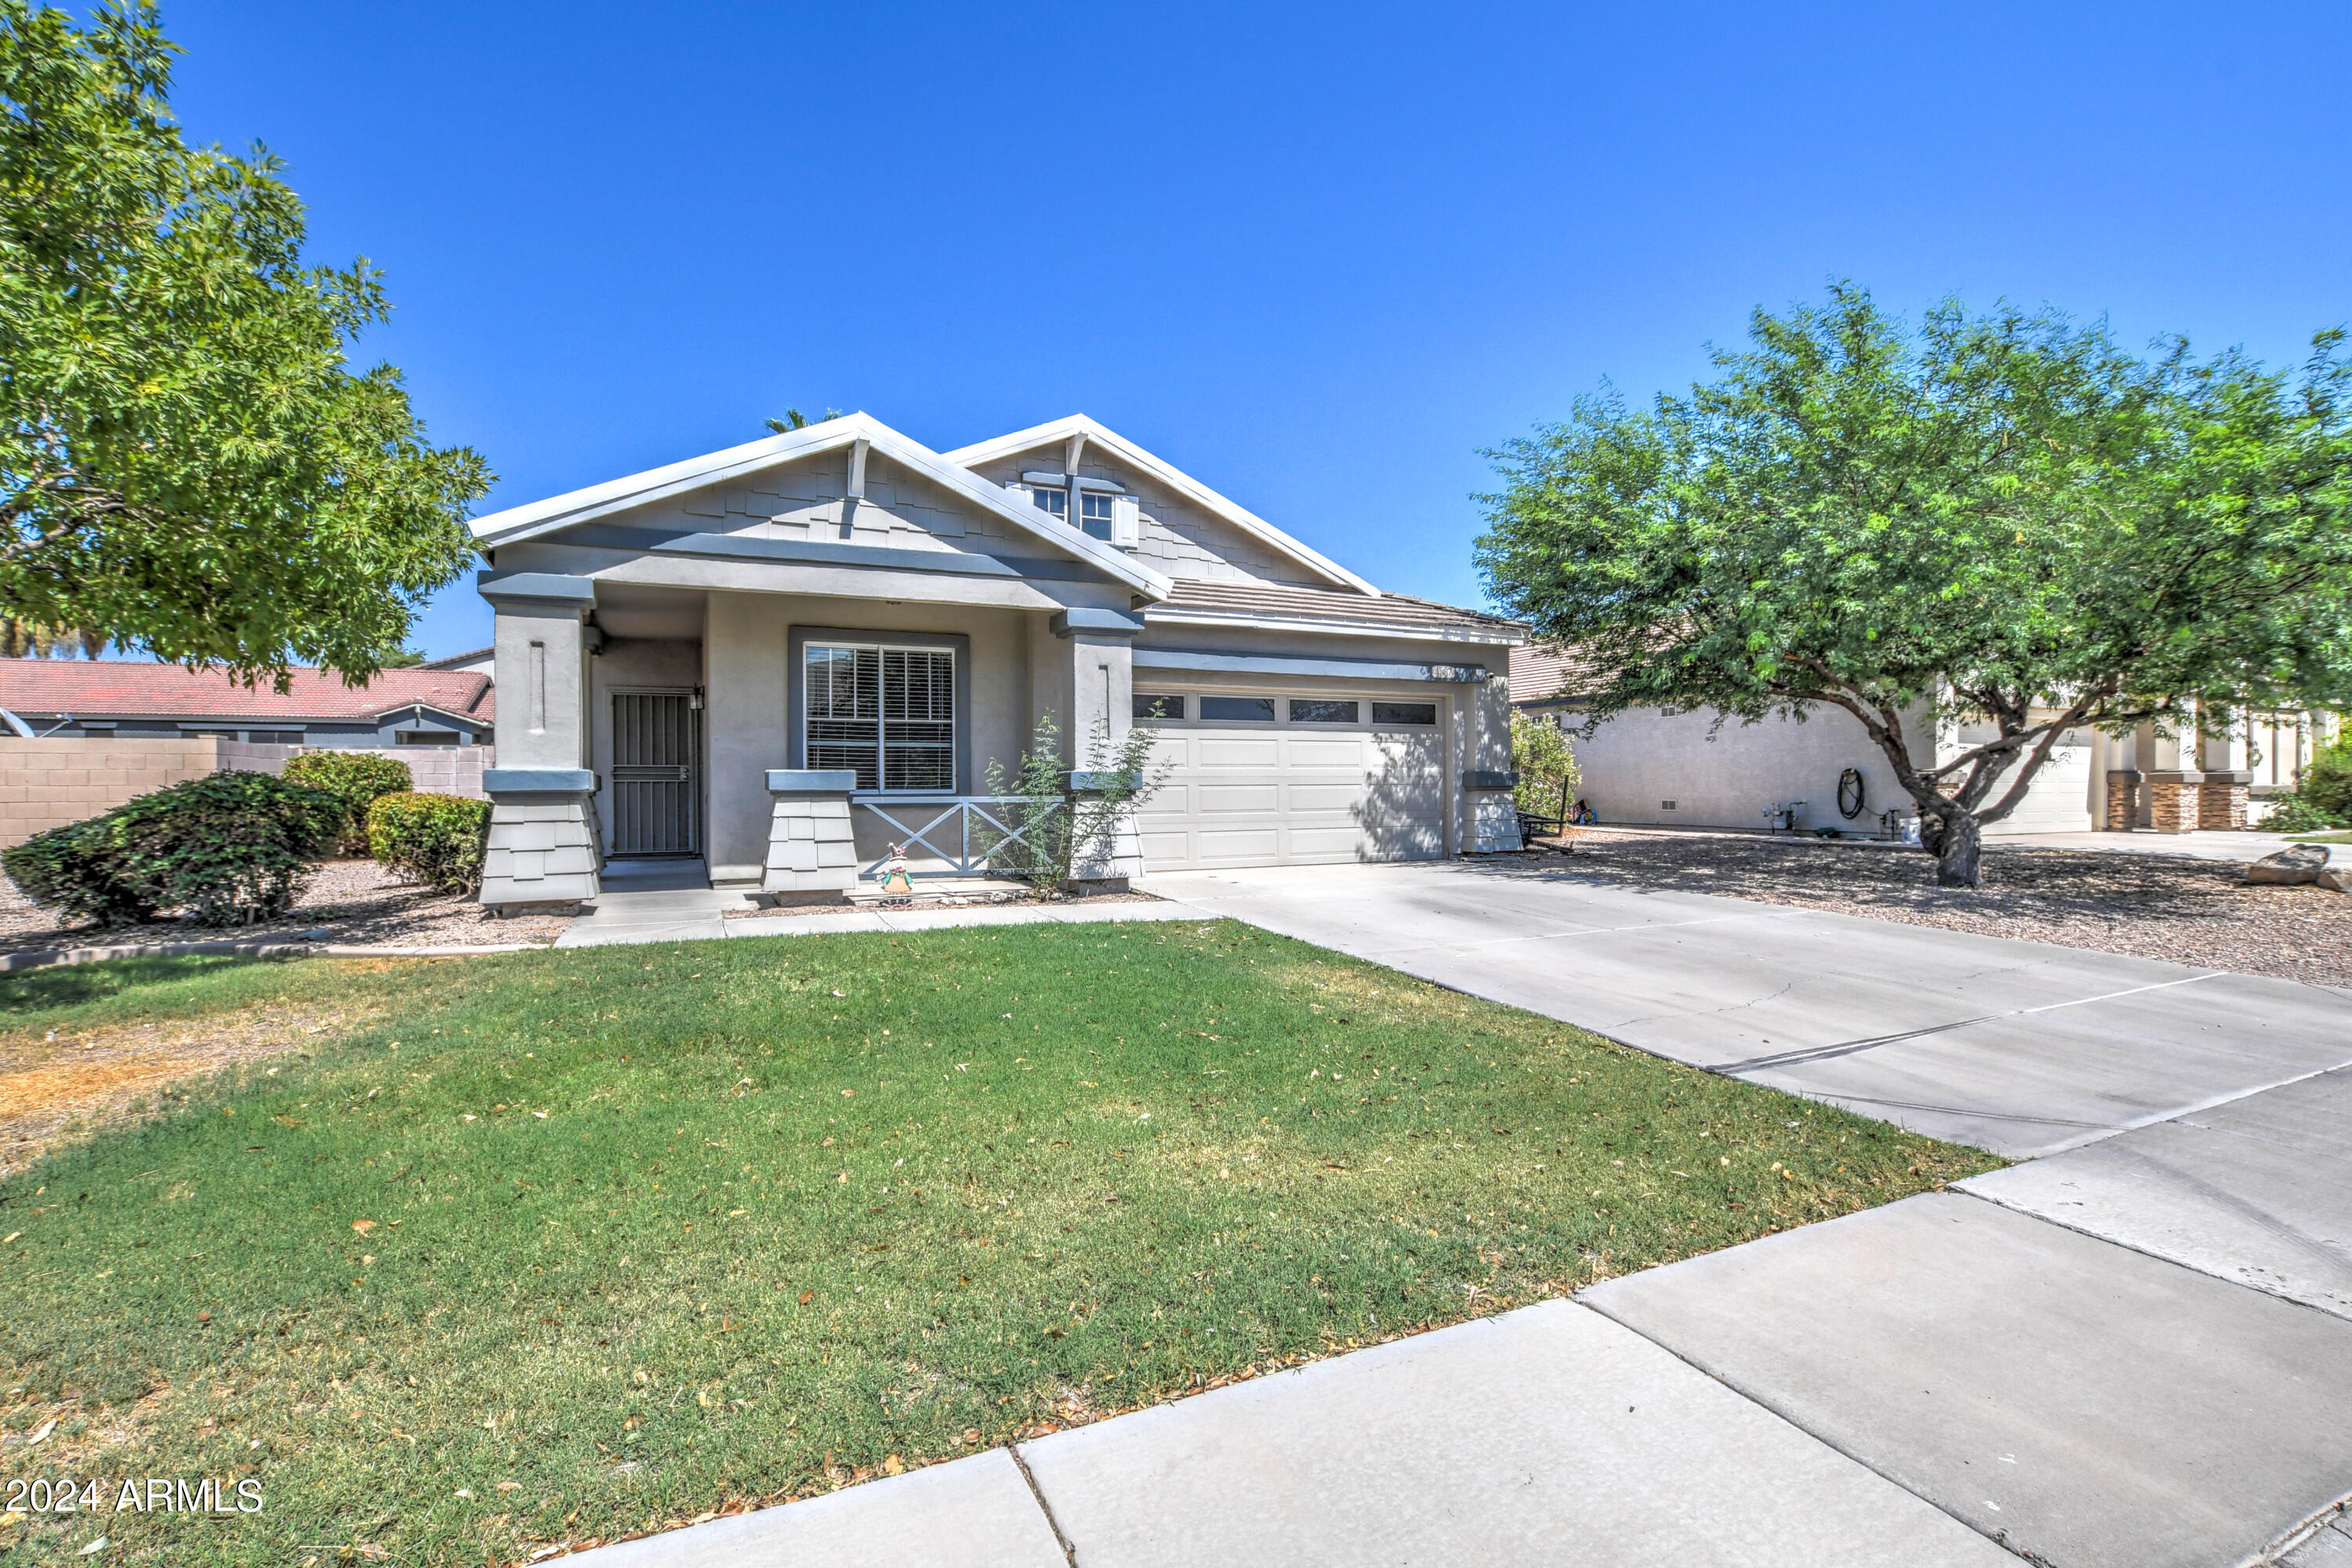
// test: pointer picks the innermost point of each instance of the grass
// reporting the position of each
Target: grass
(2322, 837)
(557, 1247)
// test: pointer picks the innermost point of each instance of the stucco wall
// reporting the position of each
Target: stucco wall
(1726, 778)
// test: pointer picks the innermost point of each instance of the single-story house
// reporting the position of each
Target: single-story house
(779, 659)
(117, 699)
(1663, 766)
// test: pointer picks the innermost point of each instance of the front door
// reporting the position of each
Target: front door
(654, 795)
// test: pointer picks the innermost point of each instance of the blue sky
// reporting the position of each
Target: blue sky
(1317, 255)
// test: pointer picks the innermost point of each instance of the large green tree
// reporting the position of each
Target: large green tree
(2002, 520)
(185, 464)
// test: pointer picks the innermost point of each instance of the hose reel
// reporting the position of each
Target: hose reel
(1849, 793)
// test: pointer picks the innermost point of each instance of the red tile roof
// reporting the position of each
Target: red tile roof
(120, 689)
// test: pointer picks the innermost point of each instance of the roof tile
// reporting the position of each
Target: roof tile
(123, 688)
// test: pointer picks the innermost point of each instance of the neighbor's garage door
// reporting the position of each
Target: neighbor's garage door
(1293, 780)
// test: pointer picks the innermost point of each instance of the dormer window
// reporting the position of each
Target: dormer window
(1105, 510)
(1094, 514)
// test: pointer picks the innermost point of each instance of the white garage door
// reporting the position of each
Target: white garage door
(1294, 780)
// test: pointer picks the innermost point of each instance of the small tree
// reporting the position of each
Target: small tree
(1545, 763)
(2007, 520)
(1054, 832)
(185, 464)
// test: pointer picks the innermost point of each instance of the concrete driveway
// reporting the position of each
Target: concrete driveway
(2015, 1047)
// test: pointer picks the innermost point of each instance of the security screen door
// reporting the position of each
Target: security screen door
(652, 774)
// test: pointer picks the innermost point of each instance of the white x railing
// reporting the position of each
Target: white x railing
(951, 819)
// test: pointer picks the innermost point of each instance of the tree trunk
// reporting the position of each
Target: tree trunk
(1955, 852)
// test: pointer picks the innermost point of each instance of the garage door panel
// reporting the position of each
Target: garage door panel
(1215, 751)
(1326, 751)
(1253, 844)
(1324, 843)
(1339, 797)
(1224, 799)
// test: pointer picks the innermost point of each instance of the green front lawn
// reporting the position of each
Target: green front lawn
(566, 1246)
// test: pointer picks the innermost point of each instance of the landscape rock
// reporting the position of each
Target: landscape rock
(2295, 867)
(2336, 878)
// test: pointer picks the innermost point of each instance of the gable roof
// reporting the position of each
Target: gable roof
(121, 688)
(1175, 479)
(558, 512)
(1202, 602)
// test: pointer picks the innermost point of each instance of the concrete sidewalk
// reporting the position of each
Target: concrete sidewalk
(2016, 1047)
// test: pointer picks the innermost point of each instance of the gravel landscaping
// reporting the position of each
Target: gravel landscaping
(342, 901)
(2166, 907)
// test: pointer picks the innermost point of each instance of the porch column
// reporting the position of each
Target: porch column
(543, 846)
(1102, 711)
(2226, 761)
(811, 848)
(2170, 773)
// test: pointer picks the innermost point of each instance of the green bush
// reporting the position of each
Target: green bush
(2327, 780)
(435, 839)
(229, 849)
(358, 779)
(2294, 814)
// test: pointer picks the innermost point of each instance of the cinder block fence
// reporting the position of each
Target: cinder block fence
(47, 783)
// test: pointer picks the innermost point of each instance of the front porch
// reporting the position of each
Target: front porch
(778, 745)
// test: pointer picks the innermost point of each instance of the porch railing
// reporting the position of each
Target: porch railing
(944, 824)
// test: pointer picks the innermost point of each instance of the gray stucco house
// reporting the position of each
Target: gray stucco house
(780, 658)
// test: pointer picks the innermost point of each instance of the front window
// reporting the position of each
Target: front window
(1057, 503)
(886, 714)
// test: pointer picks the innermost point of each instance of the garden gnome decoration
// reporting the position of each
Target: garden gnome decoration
(896, 882)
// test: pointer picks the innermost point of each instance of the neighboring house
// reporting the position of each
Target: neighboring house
(480, 660)
(1664, 766)
(782, 658)
(115, 699)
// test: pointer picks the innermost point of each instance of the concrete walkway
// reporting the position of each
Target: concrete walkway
(2135, 1353)
(672, 902)
(2015, 1047)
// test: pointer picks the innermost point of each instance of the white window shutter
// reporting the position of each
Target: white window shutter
(1125, 522)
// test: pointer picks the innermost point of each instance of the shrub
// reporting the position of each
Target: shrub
(2295, 814)
(1546, 767)
(228, 849)
(2327, 779)
(355, 778)
(435, 839)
